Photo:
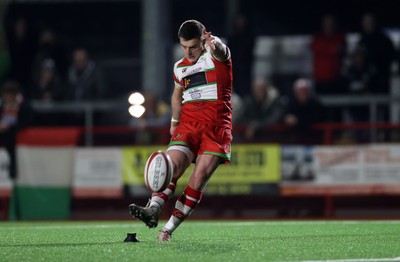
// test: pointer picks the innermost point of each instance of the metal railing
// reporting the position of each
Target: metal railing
(89, 108)
(86, 108)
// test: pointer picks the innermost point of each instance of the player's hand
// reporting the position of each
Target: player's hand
(209, 39)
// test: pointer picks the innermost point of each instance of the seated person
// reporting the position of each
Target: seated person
(261, 108)
(304, 109)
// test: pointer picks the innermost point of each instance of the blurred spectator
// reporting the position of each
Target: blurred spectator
(157, 114)
(379, 51)
(360, 74)
(261, 108)
(47, 87)
(21, 46)
(304, 109)
(49, 47)
(361, 77)
(237, 107)
(328, 48)
(241, 44)
(4, 54)
(15, 114)
(85, 78)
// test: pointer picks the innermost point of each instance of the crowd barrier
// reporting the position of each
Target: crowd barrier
(55, 166)
(87, 110)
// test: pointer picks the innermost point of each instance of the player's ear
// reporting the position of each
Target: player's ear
(202, 38)
(203, 42)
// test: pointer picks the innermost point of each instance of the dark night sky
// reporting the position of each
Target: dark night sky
(290, 16)
(120, 21)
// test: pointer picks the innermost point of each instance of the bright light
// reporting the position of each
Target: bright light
(136, 110)
(136, 98)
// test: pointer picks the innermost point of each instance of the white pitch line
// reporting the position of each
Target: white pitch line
(355, 260)
(289, 223)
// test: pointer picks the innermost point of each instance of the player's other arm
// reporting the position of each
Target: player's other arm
(218, 49)
(176, 104)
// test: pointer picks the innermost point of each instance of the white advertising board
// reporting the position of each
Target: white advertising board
(97, 172)
(361, 169)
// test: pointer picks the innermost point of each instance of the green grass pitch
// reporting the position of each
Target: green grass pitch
(338, 241)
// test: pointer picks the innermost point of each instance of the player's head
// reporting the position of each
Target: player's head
(191, 39)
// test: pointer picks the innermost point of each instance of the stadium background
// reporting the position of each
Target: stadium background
(93, 170)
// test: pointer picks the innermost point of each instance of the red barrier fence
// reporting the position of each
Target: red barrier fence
(319, 134)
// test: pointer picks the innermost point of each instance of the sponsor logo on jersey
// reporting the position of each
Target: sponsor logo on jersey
(194, 80)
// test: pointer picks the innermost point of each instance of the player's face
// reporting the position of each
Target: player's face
(192, 49)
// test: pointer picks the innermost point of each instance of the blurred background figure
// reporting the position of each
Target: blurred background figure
(360, 74)
(50, 47)
(379, 52)
(21, 45)
(303, 109)
(85, 78)
(261, 108)
(4, 54)
(47, 87)
(157, 114)
(237, 108)
(328, 49)
(15, 114)
(241, 43)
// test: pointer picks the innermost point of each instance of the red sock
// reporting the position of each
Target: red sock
(159, 199)
(184, 206)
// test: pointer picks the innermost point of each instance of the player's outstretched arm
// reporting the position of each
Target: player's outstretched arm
(218, 49)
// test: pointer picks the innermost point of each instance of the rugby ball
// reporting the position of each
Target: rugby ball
(158, 171)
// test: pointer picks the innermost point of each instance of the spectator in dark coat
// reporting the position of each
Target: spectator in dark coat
(85, 78)
(261, 108)
(21, 45)
(379, 51)
(241, 43)
(304, 109)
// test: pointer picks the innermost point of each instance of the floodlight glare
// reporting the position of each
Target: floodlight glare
(136, 98)
(136, 110)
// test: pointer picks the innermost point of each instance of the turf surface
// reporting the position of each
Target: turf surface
(202, 241)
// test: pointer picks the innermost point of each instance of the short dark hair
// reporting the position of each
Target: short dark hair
(191, 29)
